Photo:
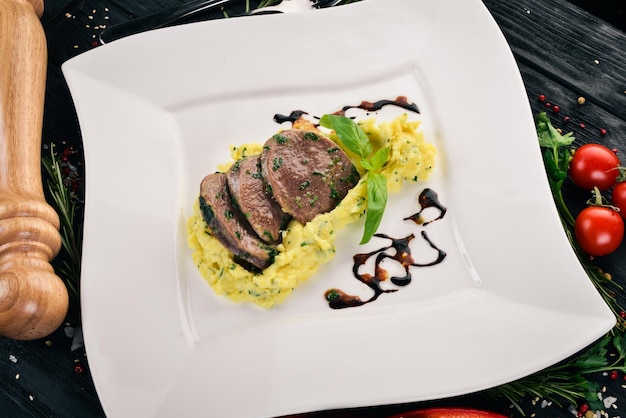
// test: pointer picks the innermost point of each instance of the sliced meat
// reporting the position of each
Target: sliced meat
(308, 174)
(229, 226)
(248, 191)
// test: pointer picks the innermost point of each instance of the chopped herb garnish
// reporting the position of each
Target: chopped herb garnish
(332, 295)
(206, 210)
(277, 163)
(311, 136)
(334, 194)
(280, 139)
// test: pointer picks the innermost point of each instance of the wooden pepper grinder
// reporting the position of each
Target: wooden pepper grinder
(33, 300)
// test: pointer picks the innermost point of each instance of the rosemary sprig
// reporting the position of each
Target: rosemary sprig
(568, 381)
(68, 261)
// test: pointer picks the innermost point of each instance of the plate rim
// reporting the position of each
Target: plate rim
(76, 73)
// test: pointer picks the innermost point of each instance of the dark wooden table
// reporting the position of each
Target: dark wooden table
(563, 53)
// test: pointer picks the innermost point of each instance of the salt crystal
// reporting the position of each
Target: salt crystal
(12, 358)
(608, 401)
(69, 331)
(77, 340)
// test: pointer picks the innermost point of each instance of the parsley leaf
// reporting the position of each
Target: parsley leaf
(547, 134)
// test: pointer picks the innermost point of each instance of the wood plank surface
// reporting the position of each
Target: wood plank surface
(581, 52)
(556, 47)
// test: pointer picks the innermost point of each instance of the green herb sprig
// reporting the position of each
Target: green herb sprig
(355, 140)
(568, 381)
(68, 262)
(556, 157)
(557, 153)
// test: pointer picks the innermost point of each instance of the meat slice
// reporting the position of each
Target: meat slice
(307, 173)
(249, 193)
(229, 226)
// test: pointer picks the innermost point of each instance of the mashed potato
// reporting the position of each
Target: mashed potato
(305, 248)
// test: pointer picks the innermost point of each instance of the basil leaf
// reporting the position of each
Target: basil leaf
(378, 159)
(376, 201)
(350, 133)
(367, 165)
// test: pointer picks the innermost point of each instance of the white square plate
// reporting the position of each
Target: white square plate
(158, 111)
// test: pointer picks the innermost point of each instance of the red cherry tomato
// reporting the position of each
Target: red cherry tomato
(599, 230)
(618, 198)
(594, 165)
(449, 413)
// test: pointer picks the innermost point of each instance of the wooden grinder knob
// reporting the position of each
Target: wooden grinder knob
(33, 300)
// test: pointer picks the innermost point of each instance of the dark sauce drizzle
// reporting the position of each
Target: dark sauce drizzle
(338, 299)
(427, 199)
(292, 117)
(400, 101)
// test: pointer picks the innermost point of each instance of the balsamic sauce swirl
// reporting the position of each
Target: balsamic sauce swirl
(400, 253)
(400, 101)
